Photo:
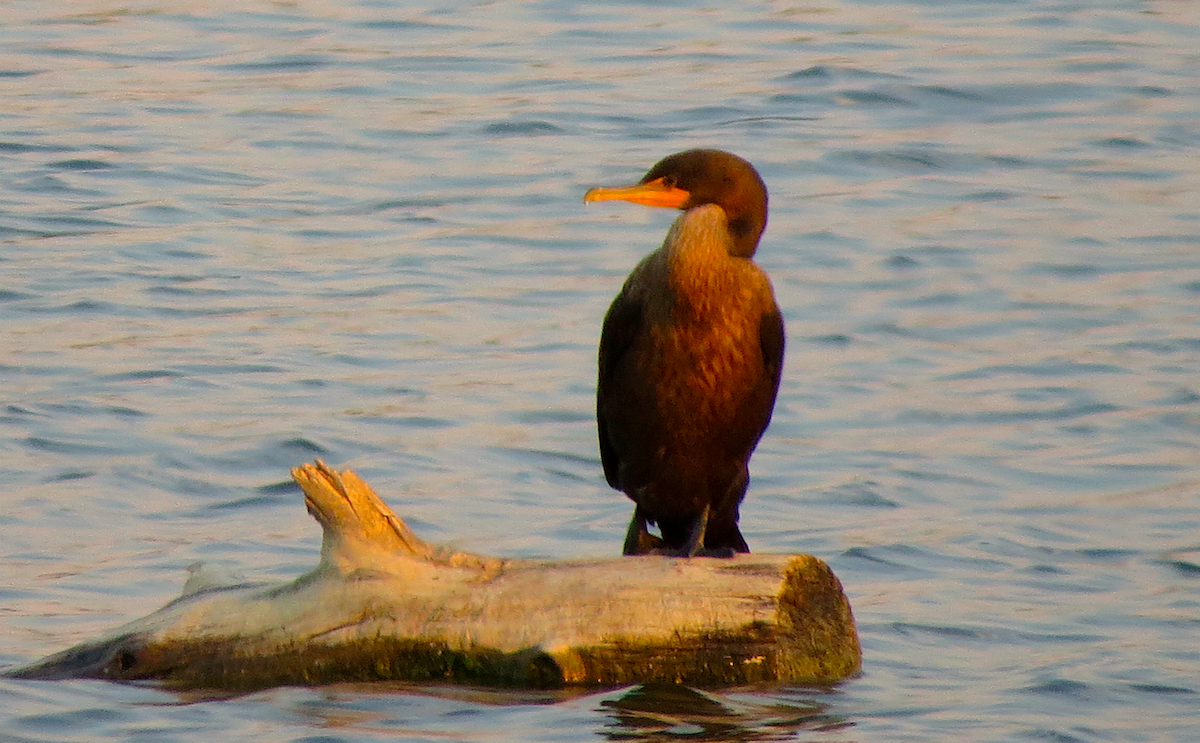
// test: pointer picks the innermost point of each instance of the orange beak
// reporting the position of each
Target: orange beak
(654, 193)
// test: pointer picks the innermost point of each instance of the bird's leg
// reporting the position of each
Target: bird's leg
(638, 540)
(695, 542)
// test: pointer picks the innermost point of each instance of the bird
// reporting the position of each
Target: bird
(690, 358)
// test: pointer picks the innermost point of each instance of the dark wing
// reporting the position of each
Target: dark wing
(621, 327)
(770, 338)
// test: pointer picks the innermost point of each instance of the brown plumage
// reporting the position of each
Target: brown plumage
(690, 357)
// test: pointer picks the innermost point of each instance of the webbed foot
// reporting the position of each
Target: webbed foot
(638, 540)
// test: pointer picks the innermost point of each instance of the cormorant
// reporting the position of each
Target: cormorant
(690, 358)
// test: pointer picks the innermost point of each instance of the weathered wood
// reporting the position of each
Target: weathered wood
(384, 605)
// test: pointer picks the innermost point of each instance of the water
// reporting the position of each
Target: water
(236, 240)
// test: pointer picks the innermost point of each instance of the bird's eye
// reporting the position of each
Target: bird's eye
(669, 181)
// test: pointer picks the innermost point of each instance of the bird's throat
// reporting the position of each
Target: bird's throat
(700, 269)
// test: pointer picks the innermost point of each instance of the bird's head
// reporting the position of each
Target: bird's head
(697, 177)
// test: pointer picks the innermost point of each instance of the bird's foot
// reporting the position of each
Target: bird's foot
(647, 544)
(638, 540)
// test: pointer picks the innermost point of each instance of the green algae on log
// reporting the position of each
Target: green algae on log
(384, 605)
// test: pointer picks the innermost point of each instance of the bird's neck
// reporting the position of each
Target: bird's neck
(699, 266)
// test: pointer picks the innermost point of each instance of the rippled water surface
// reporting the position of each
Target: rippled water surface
(235, 238)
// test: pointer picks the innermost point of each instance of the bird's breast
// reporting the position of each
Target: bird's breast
(697, 360)
(703, 367)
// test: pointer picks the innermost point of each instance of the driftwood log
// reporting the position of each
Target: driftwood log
(384, 605)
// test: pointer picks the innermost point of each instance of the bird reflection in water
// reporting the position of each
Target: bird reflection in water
(673, 712)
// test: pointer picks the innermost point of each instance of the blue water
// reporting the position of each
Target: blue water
(235, 240)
